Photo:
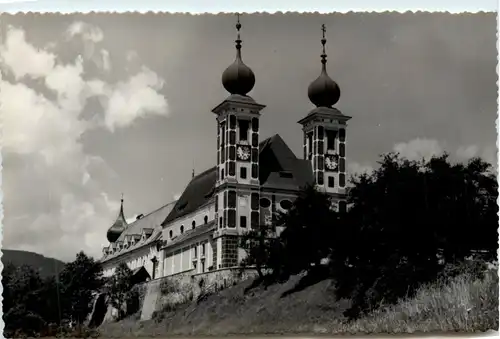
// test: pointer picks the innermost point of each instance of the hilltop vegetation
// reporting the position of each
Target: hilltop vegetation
(409, 253)
(464, 303)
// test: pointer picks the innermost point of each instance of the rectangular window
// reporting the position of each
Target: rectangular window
(330, 139)
(194, 266)
(243, 172)
(243, 221)
(202, 266)
(202, 250)
(309, 145)
(331, 182)
(244, 125)
(195, 251)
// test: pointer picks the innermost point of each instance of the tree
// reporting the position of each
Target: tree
(120, 287)
(257, 244)
(308, 227)
(407, 220)
(80, 280)
(21, 300)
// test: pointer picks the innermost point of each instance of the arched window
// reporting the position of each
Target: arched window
(182, 229)
(193, 224)
(171, 233)
(264, 202)
(205, 219)
(285, 204)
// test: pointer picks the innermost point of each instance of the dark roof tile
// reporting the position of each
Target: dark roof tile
(274, 157)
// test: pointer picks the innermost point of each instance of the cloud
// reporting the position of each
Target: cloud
(355, 168)
(87, 31)
(418, 149)
(23, 58)
(42, 128)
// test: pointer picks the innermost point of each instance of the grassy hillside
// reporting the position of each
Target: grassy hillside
(46, 266)
(463, 304)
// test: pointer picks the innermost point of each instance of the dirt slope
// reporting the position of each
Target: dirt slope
(263, 311)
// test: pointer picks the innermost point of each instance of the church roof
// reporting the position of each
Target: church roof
(278, 168)
(149, 222)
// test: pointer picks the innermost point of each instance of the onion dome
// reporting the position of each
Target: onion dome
(118, 227)
(323, 92)
(238, 78)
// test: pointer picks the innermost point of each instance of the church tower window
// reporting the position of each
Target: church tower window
(243, 221)
(244, 126)
(331, 182)
(182, 229)
(285, 204)
(243, 172)
(330, 140)
(193, 224)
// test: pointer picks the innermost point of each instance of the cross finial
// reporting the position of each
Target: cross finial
(323, 42)
(238, 25)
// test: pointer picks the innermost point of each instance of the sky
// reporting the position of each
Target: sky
(98, 105)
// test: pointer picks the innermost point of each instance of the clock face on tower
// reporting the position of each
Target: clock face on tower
(331, 162)
(243, 152)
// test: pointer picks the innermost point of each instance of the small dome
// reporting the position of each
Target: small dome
(118, 227)
(324, 92)
(238, 78)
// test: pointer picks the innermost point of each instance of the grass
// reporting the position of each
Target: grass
(463, 304)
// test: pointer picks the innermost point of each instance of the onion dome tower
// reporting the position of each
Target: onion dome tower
(238, 78)
(237, 170)
(118, 226)
(325, 135)
(323, 92)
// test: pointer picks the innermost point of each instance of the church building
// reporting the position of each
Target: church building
(252, 179)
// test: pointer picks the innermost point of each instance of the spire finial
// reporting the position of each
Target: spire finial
(323, 42)
(192, 173)
(238, 27)
(122, 198)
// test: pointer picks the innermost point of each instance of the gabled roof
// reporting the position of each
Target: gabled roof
(275, 157)
(280, 168)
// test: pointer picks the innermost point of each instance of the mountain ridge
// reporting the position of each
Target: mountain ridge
(46, 266)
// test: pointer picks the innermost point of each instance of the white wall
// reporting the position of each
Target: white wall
(187, 220)
(134, 259)
(181, 259)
